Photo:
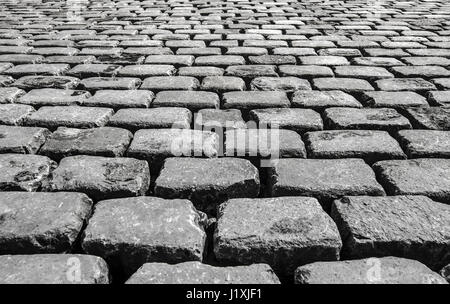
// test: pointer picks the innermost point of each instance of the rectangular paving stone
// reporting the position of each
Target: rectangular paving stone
(347, 85)
(69, 116)
(103, 141)
(413, 227)
(305, 71)
(24, 172)
(118, 99)
(284, 232)
(52, 269)
(10, 95)
(200, 71)
(156, 118)
(41, 222)
(94, 70)
(22, 140)
(53, 97)
(198, 273)
(147, 70)
(285, 84)
(405, 84)
(325, 179)
(100, 177)
(370, 119)
(129, 232)
(14, 114)
(161, 83)
(363, 72)
(105, 83)
(219, 60)
(217, 120)
(432, 118)
(222, 84)
(324, 60)
(251, 71)
(422, 176)
(37, 69)
(155, 145)
(393, 270)
(421, 71)
(425, 143)
(188, 99)
(319, 100)
(41, 82)
(203, 180)
(369, 145)
(176, 60)
(263, 143)
(255, 100)
(397, 100)
(299, 120)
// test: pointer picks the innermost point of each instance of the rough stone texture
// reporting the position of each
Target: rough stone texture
(325, 179)
(105, 141)
(190, 100)
(163, 117)
(21, 139)
(366, 119)
(425, 143)
(14, 114)
(70, 116)
(54, 97)
(24, 172)
(299, 120)
(319, 100)
(399, 100)
(433, 118)
(41, 222)
(264, 143)
(101, 177)
(282, 232)
(445, 272)
(157, 144)
(255, 100)
(53, 269)
(198, 273)
(390, 270)
(367, 144)
(285, 84)
(422, 176)
(120, 99)
(210, 119)
(413, 227)
(129, 232)
(203, 180)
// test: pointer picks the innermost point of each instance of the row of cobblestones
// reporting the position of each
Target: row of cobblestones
(224, 141)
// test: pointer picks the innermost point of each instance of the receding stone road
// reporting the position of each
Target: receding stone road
(224, 141)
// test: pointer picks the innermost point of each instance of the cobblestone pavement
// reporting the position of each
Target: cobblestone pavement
(138, 141)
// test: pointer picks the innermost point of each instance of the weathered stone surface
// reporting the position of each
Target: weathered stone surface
(367, 144)
(129, 232)
(203, 180)
(255, 100)
(251, 71)
(161, 83)
(187, 99)
(263, 143)
(147, 70)
(41, 82)
(52, 269)
(282, 232)
(305, 71)
(120, 99)
(163, 117)
(215, 119)
(445, 272)
(24, 172)
(390, 270)
(425, 143)
(41, 222)
(69, 116)
(319, 100)
(14, 114)
(108, 83)
(413, 227)
(364, 72)
(21, 140)
(325, 179)
(37, 69)
(299, 120)
(432, 118)
(53, 97)
(439, 98)
(9, 95)
(371, 119)
(198, 273)
(422, 176)
(104, 141)
(285, 84)
(94, 70)
(405, 84)
(155, 145)
(222, 84)
(398, 100)
(348, 85)
(100, 177)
